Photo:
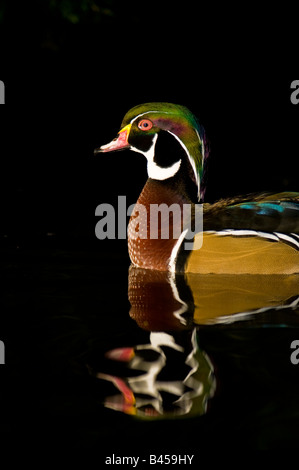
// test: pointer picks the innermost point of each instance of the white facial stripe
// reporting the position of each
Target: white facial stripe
(146, 112)
(201, 143)
(190, 159)
(154, 171)
(150, 153)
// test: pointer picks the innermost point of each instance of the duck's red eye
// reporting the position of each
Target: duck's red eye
(145, 124)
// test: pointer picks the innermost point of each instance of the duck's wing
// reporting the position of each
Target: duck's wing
(269, 213)
(255, 236)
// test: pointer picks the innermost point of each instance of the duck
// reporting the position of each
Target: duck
(249, 234)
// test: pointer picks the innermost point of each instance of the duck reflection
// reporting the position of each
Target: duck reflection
(170, 375)
(161, 299)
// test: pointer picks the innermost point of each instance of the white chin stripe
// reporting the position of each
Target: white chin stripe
(155, 171)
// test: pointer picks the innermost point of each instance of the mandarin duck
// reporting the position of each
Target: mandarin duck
(255, 234)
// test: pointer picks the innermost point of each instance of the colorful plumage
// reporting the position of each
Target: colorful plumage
(256, 234)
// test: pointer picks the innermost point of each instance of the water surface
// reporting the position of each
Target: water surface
(188, 364)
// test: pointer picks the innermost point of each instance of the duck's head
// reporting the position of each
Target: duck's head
(170, 138)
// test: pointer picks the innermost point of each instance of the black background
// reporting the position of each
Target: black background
(70, 75)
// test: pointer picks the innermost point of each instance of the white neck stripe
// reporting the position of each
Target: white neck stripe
(154, 171)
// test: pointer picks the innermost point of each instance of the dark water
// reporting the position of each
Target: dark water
(87, 370)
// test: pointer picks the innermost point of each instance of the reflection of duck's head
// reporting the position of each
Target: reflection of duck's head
(168, 377)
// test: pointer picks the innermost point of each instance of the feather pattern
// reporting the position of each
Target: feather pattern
(183, 126)
(255, 234)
